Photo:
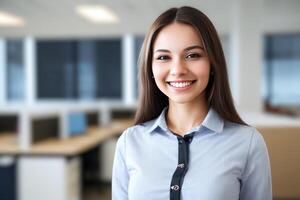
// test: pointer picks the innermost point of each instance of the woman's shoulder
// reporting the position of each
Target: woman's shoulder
(246, 133)
(138, 130)
(142, 127)
(240, 128)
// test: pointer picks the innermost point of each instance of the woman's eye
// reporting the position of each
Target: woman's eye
(163, 58)
(193, 56)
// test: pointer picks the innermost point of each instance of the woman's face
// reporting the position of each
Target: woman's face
(180, 65)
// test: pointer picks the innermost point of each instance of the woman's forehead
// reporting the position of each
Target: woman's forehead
(177, 36)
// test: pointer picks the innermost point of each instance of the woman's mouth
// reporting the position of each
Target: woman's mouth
(180, 84)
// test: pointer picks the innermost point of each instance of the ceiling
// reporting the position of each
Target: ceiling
(57, 18)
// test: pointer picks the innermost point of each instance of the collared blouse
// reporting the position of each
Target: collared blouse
(216, 160)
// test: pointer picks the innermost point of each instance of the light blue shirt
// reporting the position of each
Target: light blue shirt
(228, 161)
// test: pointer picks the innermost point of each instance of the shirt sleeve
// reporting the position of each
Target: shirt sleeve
(120, 174)
(256, 179)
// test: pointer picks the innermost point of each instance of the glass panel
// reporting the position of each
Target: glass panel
(138, 42)
(81, 69)
(15, 70)
(281, 72)
(86, 69)
(56, 72)
(108, 68)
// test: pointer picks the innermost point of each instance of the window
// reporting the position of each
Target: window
(79, 69)
(138, 42)
(281, 71)
(56, 71)
(15, 70)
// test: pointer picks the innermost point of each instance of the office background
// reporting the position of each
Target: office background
(68, 87)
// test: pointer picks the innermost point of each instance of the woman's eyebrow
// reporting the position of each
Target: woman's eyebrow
(193, 47)
(162, 50)
(185, 49)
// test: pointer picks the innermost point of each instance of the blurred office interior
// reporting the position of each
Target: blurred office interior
(68, 87)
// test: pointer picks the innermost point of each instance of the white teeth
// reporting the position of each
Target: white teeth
(180, 84)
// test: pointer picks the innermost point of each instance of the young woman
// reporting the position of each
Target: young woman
(188, 141)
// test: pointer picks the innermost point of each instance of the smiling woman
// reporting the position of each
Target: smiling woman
(188, 141)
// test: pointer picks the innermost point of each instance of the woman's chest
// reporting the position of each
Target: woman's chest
(211, 175)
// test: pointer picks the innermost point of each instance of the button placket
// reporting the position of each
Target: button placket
(182, 167)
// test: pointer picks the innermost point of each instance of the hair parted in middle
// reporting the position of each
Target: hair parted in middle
(218, 95)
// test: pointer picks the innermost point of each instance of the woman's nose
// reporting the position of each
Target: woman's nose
(178, 67)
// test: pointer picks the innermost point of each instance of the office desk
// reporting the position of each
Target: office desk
(64, 147)
(81, 143)
(51, 169)
(9, 143)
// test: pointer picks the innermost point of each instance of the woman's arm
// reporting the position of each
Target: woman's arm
(120, 174)
(256, 179)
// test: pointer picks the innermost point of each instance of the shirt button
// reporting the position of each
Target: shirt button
(175, 187)
(180, 141)
(181, 165)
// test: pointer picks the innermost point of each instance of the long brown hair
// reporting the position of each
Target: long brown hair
(152, 100)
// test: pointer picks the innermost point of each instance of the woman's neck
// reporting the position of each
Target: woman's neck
(181, 118)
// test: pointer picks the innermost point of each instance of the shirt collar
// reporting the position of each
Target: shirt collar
(212, 121)
(160, 121)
